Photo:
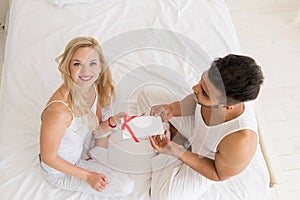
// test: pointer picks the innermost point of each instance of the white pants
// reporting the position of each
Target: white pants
(119, 185)
(171, 179)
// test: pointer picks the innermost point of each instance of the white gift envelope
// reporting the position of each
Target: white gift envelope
(142, 126)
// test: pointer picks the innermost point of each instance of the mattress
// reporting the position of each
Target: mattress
(165, 43)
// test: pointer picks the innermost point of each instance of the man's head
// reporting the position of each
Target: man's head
(229, 81)
(238, 75)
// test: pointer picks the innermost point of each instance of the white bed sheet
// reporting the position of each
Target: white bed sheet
(166, 43)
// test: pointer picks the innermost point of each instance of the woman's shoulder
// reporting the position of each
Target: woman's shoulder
(57, 108)
(61, 93)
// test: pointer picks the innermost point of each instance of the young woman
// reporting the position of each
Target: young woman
(76, 110)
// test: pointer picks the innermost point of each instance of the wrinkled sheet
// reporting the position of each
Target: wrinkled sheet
(165, 43)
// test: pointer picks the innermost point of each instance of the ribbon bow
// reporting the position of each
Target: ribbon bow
(125, 125)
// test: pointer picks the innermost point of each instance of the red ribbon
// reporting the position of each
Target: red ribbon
(125, 125)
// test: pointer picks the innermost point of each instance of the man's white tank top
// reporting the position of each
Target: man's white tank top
(206, 141)
(207, 138)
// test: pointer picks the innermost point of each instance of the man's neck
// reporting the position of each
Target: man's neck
(215, 116)
(237, 110)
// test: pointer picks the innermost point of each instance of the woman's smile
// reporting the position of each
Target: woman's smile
(85, 78)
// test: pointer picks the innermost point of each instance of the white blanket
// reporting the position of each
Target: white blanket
(150, 42)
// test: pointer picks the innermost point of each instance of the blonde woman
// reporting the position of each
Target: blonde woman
(76, 110)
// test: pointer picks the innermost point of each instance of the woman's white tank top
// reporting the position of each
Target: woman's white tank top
(72, 143)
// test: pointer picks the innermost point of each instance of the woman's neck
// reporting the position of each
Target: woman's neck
(87, 92)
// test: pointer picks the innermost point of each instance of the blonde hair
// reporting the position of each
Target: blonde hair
(105, 85)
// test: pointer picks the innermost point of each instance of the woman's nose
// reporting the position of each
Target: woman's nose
(84, 68)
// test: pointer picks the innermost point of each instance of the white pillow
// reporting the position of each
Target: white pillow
(61, 3)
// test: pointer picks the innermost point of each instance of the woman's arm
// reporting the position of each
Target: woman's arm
(55, 120)
(105, 126)
(102, 130)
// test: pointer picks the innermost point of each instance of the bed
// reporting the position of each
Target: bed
(163, 43)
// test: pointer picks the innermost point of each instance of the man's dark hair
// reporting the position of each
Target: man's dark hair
(238, 75)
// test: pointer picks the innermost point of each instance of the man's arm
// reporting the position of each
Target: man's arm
(185, 107)
(233, 155)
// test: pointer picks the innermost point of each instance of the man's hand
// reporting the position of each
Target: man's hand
(162, 144)
(164, 111)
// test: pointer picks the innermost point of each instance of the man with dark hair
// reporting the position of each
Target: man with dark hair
(223, 157)
(239, 76)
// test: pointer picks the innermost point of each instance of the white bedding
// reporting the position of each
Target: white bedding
(159, 42)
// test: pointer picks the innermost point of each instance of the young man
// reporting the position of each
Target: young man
(224, 159)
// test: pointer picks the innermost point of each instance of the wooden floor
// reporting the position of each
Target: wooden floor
(268, 31)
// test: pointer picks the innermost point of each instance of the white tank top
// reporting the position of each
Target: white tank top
(72, 143)
(207, 138)
(76, 135)
(206, 141)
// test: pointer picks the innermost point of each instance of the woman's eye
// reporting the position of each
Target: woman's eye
(93, 63)
(77, 64)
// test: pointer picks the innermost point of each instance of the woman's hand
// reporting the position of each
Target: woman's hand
(164, 111)
(118, 117)
(97, 181)
(115, 120)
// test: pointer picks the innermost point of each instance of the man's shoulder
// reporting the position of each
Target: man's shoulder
(238, 148)
(240, 141)
(240, 137)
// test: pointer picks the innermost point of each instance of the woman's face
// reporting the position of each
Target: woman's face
(85, 66)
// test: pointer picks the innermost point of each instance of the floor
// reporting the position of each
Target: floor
(268, 31)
